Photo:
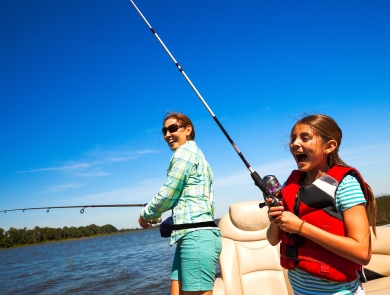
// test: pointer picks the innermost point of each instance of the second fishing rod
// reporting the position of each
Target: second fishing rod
(269, 185)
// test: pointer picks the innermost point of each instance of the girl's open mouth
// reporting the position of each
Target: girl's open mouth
(301, 157)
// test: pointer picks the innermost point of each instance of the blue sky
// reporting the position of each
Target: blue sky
(85, 86)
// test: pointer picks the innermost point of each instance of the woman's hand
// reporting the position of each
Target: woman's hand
(147, 223)
(143, 223)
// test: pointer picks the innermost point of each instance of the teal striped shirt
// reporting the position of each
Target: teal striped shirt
(188, 190)
(348, 194)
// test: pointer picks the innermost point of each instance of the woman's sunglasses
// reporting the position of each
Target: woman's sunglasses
(171, 128)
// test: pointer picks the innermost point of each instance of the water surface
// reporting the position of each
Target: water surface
(130, 263)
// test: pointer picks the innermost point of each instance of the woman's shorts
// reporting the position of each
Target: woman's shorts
(196, 258)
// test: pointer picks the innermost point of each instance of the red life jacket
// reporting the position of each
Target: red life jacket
(316, 204)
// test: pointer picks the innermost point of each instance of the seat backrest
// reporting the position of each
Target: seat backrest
(249, 264)
(381, 243)
(380, 259)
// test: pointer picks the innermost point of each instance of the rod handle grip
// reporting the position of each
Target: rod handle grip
(259, 182)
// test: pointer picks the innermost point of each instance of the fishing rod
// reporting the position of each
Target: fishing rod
(269, 185)
(81, 211)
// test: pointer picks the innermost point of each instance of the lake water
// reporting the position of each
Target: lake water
(130, 263)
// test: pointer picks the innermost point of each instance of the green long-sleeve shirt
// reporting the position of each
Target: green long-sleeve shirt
(188, 190)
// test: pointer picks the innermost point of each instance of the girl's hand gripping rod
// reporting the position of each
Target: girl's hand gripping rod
(269, 185)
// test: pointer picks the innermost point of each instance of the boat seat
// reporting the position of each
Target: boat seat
(380, 259)
(249, 264)
(380, 262)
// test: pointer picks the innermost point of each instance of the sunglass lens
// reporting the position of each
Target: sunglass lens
(171, 128)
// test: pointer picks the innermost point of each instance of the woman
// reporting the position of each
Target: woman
(188, 191)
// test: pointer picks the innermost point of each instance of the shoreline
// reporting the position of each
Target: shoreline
(75, 239)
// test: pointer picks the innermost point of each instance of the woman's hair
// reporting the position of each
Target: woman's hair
(183, 121)
(327, 129)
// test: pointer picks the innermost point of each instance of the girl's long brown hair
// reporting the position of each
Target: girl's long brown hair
(328, 129)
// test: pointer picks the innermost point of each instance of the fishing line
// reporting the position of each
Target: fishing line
(269, 186)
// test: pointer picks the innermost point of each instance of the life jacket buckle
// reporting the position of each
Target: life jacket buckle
(291, 252)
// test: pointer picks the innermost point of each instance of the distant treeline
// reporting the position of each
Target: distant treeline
(18, 237)
(383, 210)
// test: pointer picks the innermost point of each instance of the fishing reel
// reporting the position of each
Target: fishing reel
(270, 187)
(274, 190)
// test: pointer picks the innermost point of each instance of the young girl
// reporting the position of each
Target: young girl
(322, 221)
(188, 191)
